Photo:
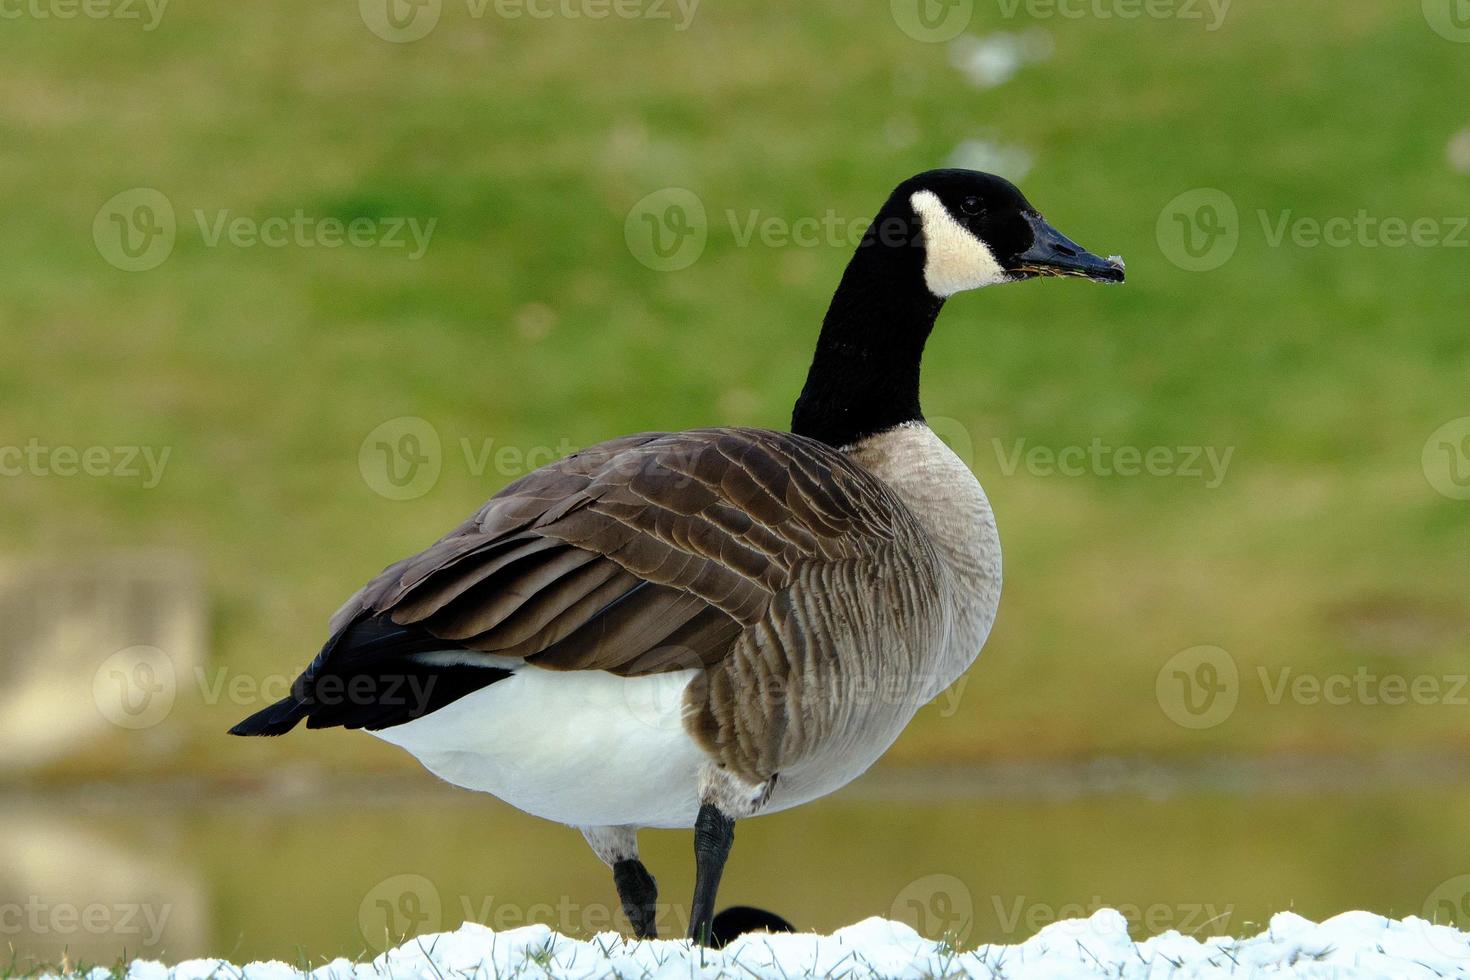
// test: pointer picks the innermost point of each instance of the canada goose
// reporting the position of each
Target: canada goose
(684, 629)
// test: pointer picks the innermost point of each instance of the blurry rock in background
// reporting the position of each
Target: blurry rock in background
(72, 891)
(991, 59)
(1458, 151)
(94, 646)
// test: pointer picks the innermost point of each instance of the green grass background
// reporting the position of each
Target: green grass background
(1325, 549)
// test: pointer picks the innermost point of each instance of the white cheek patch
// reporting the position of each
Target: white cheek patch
(954, 259)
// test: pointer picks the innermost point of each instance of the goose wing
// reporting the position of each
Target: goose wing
(648, 553)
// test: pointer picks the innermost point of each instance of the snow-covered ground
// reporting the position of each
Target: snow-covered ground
(1351, 945)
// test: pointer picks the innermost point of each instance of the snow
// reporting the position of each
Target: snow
(1350, 945)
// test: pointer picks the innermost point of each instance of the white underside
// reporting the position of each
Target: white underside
(585, 748)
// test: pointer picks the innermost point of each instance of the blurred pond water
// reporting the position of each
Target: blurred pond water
(307, 873)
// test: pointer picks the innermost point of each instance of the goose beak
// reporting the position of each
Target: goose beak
(1054, 254)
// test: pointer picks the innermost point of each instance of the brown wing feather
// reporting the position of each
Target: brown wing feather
(647, 553)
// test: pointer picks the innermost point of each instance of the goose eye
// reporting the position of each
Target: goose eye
(971, 205)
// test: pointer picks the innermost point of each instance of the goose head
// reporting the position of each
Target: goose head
(978, 229)
(939, 233)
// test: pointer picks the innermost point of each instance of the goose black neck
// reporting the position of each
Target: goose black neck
(864, 377)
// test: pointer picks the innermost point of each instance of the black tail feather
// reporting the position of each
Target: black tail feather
(393, 694)
(278, 719)
(368, 676)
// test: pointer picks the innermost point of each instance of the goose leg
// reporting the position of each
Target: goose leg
(639, 894)
(617, 847)
(724, 798)
(714, 832)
